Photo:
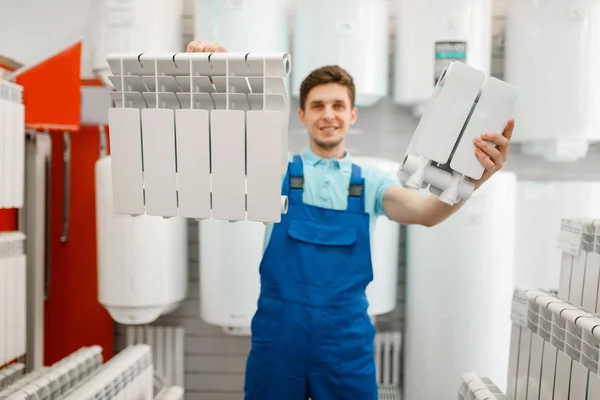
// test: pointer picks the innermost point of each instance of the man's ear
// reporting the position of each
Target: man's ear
(301, 116)
(354, 115)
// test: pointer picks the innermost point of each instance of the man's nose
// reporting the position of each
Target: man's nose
(328, 113)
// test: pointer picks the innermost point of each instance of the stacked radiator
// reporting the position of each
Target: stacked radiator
(13, 291)
(555, 340)
(11, 374)
(474, 387)
(83, 376)
(54, 381)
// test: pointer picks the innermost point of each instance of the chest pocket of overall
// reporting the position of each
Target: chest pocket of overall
(326, 254)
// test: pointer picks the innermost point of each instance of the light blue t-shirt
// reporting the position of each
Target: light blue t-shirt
(326, 183)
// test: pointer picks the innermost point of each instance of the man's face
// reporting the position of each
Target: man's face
(328, 114)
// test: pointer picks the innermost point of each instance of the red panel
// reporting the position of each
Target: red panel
(74, 318)
(51, 91)
(8, 219)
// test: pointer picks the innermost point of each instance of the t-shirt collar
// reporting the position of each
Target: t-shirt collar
(345, 164)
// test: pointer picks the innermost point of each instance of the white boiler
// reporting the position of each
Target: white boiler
(540, 208)
(553, 56)
(432, 33)
(230, 255)
(385, 249)
(142, 261)
(350, 33)
(136, 26)
(244, 26)
(459, 283)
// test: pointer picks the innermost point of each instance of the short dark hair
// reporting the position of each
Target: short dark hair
(324, 75)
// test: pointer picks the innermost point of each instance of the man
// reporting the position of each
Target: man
(311, 335)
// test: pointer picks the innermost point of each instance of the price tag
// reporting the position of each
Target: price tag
(518, 314)
(570, 236)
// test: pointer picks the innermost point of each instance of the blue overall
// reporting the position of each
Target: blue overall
(311, 334)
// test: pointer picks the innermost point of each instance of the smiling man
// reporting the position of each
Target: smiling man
(311, 334)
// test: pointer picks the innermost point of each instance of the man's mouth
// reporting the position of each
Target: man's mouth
(328, 129)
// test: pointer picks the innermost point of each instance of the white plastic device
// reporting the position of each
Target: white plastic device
(441, 154)
(200, 135)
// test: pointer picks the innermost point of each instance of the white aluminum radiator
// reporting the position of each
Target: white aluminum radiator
(128, 375)
(388, 347)
(51, 382)
(474, 387)
(11, 373)
(167, 344)
(13, 288)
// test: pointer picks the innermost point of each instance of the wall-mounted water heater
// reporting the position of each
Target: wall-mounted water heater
(244, 26)
(460, 280)
(230, 255)
(432, 33)
(142, 261)
(385, 249)
(121, 26)
(350, 33)
(553, 56)
(540, 208)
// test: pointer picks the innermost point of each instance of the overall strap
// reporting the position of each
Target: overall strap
(295, 180)
(356, 192)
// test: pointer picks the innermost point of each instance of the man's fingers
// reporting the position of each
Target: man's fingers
(201, 46)
(193, 45)
(485, 160)
(508, 131)
(497, 139)
(490, 151)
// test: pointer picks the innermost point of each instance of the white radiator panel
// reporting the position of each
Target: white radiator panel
(12, 145)
(13, 295)
(167, 345)
(388, 348)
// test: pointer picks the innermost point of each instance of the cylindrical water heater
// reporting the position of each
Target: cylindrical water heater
(540, 208)
(459, 283)
(553, 56)
(432, 33)
(144, 26)
(244, 26)
(230, 256)
(350, 33)
(142, 261)
(385, 250)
